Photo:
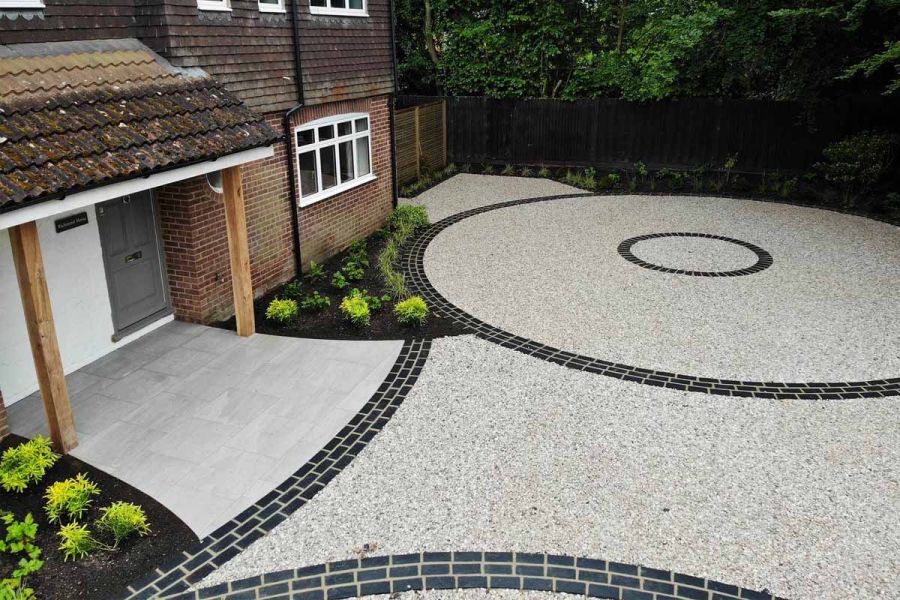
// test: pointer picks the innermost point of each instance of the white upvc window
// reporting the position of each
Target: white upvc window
(345, 8)
(21, 4)
(220, 5)
(271, 6)
(333, 155)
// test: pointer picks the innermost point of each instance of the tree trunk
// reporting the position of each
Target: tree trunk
(429, 34)
(621, 34)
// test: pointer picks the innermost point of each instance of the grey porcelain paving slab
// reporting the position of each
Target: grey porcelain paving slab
(207, 422)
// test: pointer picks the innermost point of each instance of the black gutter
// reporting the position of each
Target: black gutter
(288, 141)
(393, 103)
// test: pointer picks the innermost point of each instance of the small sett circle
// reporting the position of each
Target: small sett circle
(763, 259)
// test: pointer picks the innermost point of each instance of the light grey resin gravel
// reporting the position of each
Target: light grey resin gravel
(828, 309)
(495, 450)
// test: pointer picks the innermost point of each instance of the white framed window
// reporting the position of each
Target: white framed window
(346, 8)
(21, 4)
(220, 5)
(271, 6)
(333, 155)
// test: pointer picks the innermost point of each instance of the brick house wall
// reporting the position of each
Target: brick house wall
(192, 219)
(330, 225)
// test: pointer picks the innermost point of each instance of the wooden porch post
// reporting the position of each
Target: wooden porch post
(26, 251)
(238, 251)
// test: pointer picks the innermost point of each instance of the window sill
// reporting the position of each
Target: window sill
(272, 10)
(337, 12)
(21, 5)
(334, 191)
(213, 8)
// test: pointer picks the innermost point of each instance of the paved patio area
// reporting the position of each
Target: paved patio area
(207, 422)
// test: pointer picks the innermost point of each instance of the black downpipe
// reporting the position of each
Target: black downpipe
(393, 104)
(288, 141)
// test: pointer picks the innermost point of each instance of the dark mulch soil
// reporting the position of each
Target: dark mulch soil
(103, 574)
(329, 323)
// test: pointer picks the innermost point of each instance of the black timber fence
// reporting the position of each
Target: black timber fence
(684, 133)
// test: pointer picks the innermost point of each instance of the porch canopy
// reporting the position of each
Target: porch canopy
(88, 121)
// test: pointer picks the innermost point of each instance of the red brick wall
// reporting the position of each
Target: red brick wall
(192, 218)
(330, 225)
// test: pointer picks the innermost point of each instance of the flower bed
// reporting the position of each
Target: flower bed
(104, 572)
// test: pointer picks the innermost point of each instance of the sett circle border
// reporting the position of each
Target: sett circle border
(413, 265)
(763, 259)
(485, 570)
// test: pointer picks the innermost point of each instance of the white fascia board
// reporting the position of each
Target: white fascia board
(50, 208)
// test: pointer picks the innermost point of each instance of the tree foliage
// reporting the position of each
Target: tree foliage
(649, 49)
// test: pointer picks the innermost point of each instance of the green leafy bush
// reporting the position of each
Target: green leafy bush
(292, 289)
(609, 181)
(19, 544)
(316, 272)
(313, 302)
(394, 282)
(404, 221)
(353, 271)
(487, 170)
(856, 163)
(121, 520)
(508, 170)
(544, 173)
(70, 498)
(412, 311)
(375, 302)
(338, 281)
(408, 217)
(356, 310)
(22, 465)
(358, 252)
(76, 541)
(526, 172)
(282, 310)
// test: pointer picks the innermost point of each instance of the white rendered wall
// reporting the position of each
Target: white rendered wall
(81, 310)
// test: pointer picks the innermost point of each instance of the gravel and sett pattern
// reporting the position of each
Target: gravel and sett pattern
(496, 450)
(549, 271)
(430, 571)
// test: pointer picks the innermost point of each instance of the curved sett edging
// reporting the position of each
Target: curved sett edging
(414, 269)
(486, 570)
(174, 578)
(763, 259)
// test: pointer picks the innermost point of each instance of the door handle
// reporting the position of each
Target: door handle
(134, 257)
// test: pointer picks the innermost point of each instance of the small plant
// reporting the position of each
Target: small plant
(544, 173)
(465, 168)
(338, 281)
(19, 543)
(412, 311)
(408, 217)
(698, 177)
(121, 520)
(375, 302)
(282, 310)
(394, 281)
(788, 187)
(292, 289)
(609, 181)
(450, 170)
(508, 170)
(856, 163)
(487, 170)
(526, 172)
(356, 310)
(352, 271)
(76, 541)
(70, 498)
(316, 272)
(313, 302)
(724, 177)
(27, 463)
(359, 252)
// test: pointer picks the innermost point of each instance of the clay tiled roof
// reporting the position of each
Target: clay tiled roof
(77, 115)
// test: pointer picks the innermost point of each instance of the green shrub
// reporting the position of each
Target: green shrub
(856, 163)
(508, 170)
(408, 217)
(356, 310)
(487, 170)
(358, 252)
(338, 281)
(316, 272)
(526, 172)
(544, 173)
(375, 302)
(76, 541)
(121, 520)
(22, 465)
(313, 302)
(450, 170)
(404, 221)
(282, 310)
(608, 181)
(70, 497)
(353, 271)
(292, 289)
(412, 311)
(19, 544)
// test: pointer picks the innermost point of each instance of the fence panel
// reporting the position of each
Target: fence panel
(421, 139)
(681, 134)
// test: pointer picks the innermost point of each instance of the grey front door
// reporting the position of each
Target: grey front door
(135, 274)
